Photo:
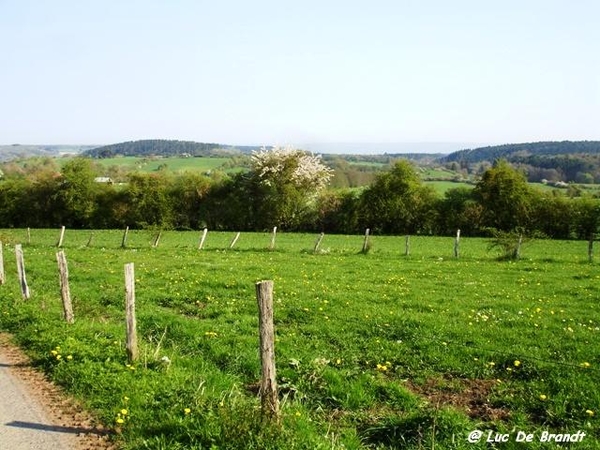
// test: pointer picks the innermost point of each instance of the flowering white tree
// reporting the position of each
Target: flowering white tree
(290, 180)
(290, 165)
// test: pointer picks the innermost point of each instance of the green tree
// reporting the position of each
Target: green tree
(284, 184)
(147, 200)
(75, 198)
(505, 197)
(459, 210)
(398, 202)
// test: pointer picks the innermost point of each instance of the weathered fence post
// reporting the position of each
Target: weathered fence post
(202, 238)
(89, 242)
(234, 240)
(318, 243)
(2, 278)
(131, 342)
(407, 245)
(28, 235)
(591, 248)
(124, 240)
(157, 239)
(65, 292)
(365, 247)
(457, 244)
(517, 254)
(21, 271)
(61, 237)
(273, 234)
(268, 383)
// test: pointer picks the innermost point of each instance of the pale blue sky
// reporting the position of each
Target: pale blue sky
(294, 72)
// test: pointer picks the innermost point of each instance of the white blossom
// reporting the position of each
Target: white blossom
(299, 167)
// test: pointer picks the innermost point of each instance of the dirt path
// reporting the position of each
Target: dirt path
(34, 414)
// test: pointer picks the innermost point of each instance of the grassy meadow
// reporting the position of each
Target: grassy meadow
(377, 350)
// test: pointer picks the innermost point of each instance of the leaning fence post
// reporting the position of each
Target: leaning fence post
(456, 244)
(61, 237)
(268, 383)
(2, 278)
(124, 240)
(65, 292)
(318, 243)
(591, 248)
(157, 239)
(131, 342)
(203, 238)
(407, 245)
(21, 271)
(234, 240)
(89, 242)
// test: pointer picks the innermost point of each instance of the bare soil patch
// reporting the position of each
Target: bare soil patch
(470, 396)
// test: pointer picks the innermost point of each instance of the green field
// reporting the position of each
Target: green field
(174, 164)
(377, 350)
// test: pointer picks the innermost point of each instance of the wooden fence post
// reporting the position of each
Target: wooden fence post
(407, 245)
(124, 240)
(28, 235)
(131, 342)
(89, 242)
(268, 383)
(157, 240)
(202, 238)
(273, 234)
(2, 277)
(61, 237)
(318, 243)
(517, 253)
(456, 244)
(65, 292)
(21, 271)
(235, 239)
(591, 248)
(365, 247)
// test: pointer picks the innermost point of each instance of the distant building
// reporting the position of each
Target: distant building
(107, 180)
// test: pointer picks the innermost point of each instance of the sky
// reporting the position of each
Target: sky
(283, 72)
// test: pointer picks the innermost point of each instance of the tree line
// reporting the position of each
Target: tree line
(290, 193)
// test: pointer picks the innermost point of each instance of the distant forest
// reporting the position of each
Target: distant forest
(566, 161)
(163, 147)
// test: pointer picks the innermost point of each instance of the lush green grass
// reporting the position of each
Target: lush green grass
(376, 350)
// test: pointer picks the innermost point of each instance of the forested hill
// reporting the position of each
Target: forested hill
(163, 147)
(512, 152)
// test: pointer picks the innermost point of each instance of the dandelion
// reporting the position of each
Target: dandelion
(58, 357)
(298, 414)
(69, 357)
(124, 411)
(125, 399)
(120, 420)
(54, 352)
(187, 410)
(589, 412)
(585, 365)
(543, 397)
(517, 363)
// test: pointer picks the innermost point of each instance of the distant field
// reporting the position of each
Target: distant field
(131, 163)
(376, 351)
(442, 186)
